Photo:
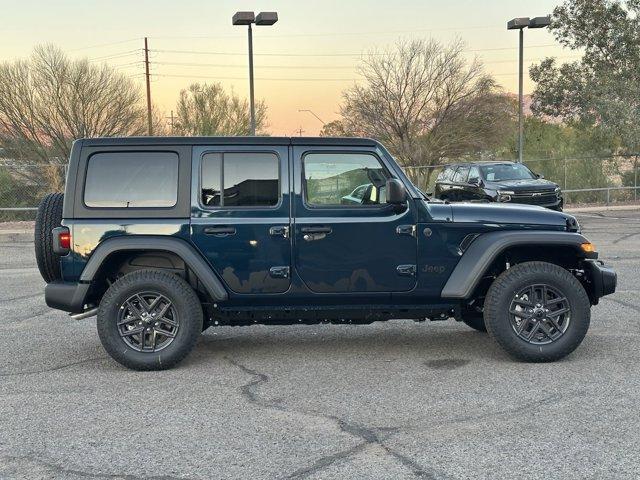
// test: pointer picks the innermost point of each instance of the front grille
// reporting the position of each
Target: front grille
(535, 198)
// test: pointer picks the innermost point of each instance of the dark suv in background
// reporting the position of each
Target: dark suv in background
(497, 182)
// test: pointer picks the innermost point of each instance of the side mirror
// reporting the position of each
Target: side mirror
(539, 175)
(396, 191)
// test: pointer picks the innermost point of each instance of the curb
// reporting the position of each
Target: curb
(16, 236)
(611, 208)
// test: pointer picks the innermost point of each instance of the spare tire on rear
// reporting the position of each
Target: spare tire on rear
(49, 216)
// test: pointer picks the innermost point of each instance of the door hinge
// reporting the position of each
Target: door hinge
(406, 230)
(281, 230)
(406, 270)
(279, 272)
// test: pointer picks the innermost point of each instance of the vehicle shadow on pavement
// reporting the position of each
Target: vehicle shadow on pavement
(450, 347)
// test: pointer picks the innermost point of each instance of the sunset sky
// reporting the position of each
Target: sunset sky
(304, 61)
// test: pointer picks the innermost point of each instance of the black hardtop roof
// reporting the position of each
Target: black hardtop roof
(141, 141)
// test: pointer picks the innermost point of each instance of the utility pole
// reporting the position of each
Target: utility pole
(146, 73)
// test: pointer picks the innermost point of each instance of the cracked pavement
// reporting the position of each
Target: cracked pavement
(391, 400)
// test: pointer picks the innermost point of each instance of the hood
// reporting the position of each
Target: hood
(537, 184)
(503, 213)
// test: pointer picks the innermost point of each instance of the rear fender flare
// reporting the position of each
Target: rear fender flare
(196, 263)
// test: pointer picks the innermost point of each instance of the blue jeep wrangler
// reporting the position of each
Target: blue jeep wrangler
(165, 237)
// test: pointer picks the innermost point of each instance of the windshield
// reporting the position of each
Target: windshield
(506, 171)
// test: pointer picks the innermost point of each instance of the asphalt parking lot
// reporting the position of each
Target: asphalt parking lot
(390, 400)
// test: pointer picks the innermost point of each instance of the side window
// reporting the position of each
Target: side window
(240, 180)
(474, 172)
(461, 175)
(448, 174)
(347, 179)
(131, 180)
(442, 177)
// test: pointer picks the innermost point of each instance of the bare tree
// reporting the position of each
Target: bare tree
(48, 101)
(209, 110)
(427, 103)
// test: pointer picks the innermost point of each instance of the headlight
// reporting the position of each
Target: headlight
(557, 190)
(505, 192)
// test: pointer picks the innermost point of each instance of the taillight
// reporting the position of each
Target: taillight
(61, 240)
(65, 240)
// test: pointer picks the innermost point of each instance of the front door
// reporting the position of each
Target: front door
(242, 219)
(347, 238)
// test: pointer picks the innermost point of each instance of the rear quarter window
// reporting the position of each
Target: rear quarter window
(132, 180)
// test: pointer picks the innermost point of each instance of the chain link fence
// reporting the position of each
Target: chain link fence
(22, 186)
(584, 180)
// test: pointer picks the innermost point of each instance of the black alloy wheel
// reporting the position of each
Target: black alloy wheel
(540, 314)
(148, 322)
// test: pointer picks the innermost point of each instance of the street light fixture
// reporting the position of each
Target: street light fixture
(521, 23)
(249, 18)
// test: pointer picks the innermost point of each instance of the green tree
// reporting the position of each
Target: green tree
(209, 110)
(575, 156)
(602, 90)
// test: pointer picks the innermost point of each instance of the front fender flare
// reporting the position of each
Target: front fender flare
(184, 250)
(485, 249)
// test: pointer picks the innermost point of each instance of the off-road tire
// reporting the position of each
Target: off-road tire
(501, 293)
(185, 301)
(48, 217)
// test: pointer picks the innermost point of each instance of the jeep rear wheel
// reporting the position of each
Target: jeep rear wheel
(48, 217)
(149, 320)
(537, 311)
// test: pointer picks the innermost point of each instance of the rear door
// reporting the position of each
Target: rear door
(241, 215)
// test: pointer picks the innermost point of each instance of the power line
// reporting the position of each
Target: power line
(200, 52)
(186, 64)
(112, 56)
(104, 44)
(257, 78)
(323, 67)
(336, 34)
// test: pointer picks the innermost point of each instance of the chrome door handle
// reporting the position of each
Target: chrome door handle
(315, 233)
(279, 230)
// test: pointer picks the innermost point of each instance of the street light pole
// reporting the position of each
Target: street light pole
(249, 18)
(521, 97)
(520, 24)
(251, 94)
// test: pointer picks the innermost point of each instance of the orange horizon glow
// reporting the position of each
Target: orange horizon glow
(303, 62)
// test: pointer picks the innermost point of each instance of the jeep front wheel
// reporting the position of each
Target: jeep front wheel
(537, 311)
(149, 320)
